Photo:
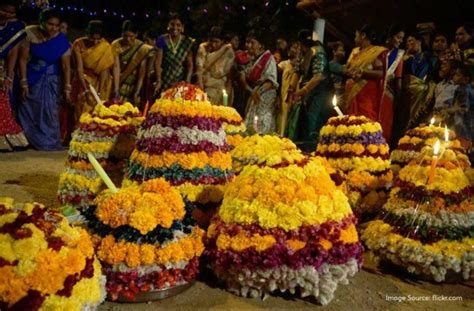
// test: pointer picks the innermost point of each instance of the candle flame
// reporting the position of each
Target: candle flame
(334, 101)
(224, 92)
(436, 147)
(432, 121)
(256, 118)
(446, 133)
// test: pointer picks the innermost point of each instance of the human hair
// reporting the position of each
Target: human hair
(417, 35)
(305, 37)
(129, 26)
(369, 32)
(216, 32)
(335, 45)
(393, 30)
(464, 70)
(48, 14)
(14, 3)
(468, 28)
(258, 35)
(95, 27)
(175, 16)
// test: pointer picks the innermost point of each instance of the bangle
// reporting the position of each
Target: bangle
(9, 79)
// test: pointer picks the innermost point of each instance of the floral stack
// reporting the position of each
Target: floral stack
(108, 133)
(427, 225)
(45, 264)
(233, 125)
(284, 227)
(264, 150)
(355, 147)
(145, 239)
(182, 140)
(410, 145)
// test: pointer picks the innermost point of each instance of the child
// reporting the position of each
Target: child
(444, 92)
(337, 69)
(461, 115)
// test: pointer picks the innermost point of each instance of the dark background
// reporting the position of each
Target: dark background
(277, 17)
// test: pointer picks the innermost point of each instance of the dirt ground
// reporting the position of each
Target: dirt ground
(32, 175)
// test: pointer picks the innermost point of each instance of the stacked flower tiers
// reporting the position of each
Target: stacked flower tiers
(233, 125)
(410, 145)
(284, 227)
(427, 228)
(355, 147)
(45, 264)
(108, 134)
(266, 150)
(145, 239)
(182, 140)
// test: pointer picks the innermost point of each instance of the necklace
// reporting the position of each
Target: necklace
(173, 46)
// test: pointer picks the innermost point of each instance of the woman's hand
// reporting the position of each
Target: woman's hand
(7, 85)
(67, 96)
(136, 99)
(24, 92)
(255, 97)
(157, 87)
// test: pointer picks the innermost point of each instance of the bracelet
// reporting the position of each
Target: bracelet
(9, 79)
(67, 87)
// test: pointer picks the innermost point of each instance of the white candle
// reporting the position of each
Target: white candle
(334, 103)
(255, 123)
(432, 121)
(446, 134)
(434, 162)
(225, 97)
(100, 170)
(94, 93)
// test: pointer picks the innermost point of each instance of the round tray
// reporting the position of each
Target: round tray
(155, 295)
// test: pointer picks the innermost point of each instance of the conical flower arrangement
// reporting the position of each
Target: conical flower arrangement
(145, 239)
(410, 145)
(108, 133)
(183, 141)
(355, 147)
(427, 224)
(284, 227)
(45, 264)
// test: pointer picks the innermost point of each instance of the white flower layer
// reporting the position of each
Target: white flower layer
(321, 284)
(143, 270)
(442, 219)
(88, 137)
(188, 136)
(418, 260)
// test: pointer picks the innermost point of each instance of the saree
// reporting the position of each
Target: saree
(263, 70)
(38, 114)
(11, 134)
(317, 108)
(173, 60)
(130, 61)
(97, 62)
(215, 67)
(394, 72)
(364, 97)
(289, 81)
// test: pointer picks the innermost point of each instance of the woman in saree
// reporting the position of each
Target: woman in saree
(44, 58)
(314, 92)
(174, 58)
(393, 81)
(214, 61)
(12, 31)
(129, 69)
(260, 79)
(366, 69)
(94, 60)
(418, 89)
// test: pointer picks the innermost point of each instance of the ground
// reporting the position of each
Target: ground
(32, 175)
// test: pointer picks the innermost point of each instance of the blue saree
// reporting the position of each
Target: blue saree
(39, 113)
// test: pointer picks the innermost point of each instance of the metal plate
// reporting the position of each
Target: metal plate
(155, 295)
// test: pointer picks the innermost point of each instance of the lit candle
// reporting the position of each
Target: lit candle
(432, 121)
(145, 110)
(100, 170)
(434, 162)
(94, 93)
(334, 103)
(446, 134)
(255, 124)
(225, 97)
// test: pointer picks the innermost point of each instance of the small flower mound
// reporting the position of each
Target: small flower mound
(410, 146)
(355, 147)
(427, 229)
(45, 264)
(109, 134)
(284, 228)
(233, 125)
(267, 150)
(144, 238)
(183, 141)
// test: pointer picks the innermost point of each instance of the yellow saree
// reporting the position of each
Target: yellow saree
(97, 63)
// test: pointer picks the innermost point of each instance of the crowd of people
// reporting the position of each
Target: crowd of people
(287, 88)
